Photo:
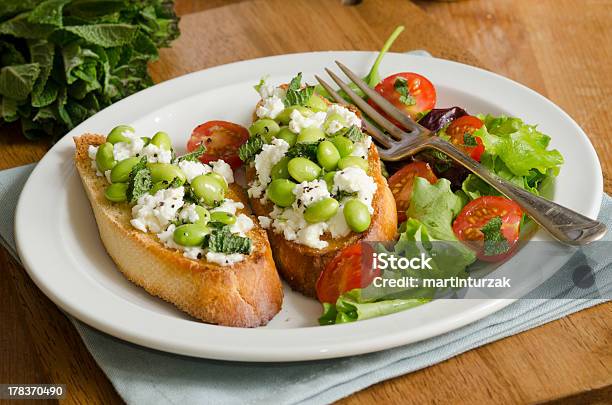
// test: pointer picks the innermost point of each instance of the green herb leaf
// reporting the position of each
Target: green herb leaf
(8, 110)
(353, 133)
(469, 139)
(494, 241)
(295, 94)
(139, 182)
(106, 35)
(401, 86)
(223, 241)
(48, 12)
(193, 156)
(250, 149)
(342, 194)
(307, 150)
(17, 81)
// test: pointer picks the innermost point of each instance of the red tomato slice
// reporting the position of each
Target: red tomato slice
(478, 213)
(464, 127)
(401, 184)
(351, 268)
(222, 140)
(410, 92)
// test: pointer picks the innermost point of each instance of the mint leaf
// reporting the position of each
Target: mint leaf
(105, 35)
(17, 81)
(139, 182)
(223, 241)
(494, 241)
(401, 86)
(48, 12)
(353, 133)
(250, 149)
(295, 94)
(469, 140)
(193, 156)
(20, 27)
(307, 150)
(8, 109)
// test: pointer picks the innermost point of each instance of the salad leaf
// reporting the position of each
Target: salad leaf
(17, 81)
(439, 118)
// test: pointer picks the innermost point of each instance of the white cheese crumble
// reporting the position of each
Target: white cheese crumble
(92, 151)
(242, 225)
(270, 155)
(337, 224)
(309, 192)
(189, 214)
(223, 169)
(264, 222)
(299, 121)
(193, 169)
(154, 212)
(224, 259)
(107, 174)
(362, 148)
(291, 223)
(355, 179)
(155, 154)
(270, 107)
(124, 150)
(349, 118)
(229, 206)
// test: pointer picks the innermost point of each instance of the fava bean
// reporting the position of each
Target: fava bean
(160, 185)
(203, 215)
(162, 140)
(280, 192)
(355, 161)
(208, 189)
(329, 179)
(220, 179)
(266, 128)
(190, 234)
(166, 171)
(121, 172)
(316, 103)
(280, 169)
(310, 135)
(105, 160)
(343, 144)
(327, 155)
(287, 135)
(116, 134)
(223, 217)
(357, 215)
(284, 116)
(321, 210)
(146, 140)
(303, 169)
(116, 192)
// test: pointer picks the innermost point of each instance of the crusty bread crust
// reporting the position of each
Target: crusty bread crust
(247, 294)
(301, 265)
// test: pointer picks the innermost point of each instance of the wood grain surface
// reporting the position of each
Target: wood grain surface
(560, 48)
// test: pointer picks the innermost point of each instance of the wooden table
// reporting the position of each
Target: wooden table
(560, 48)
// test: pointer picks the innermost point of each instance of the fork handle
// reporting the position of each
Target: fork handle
(564, 224)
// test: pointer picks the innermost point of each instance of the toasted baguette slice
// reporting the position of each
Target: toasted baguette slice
(247, 294)
(301, 265)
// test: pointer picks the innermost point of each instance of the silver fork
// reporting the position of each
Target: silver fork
(565, 225)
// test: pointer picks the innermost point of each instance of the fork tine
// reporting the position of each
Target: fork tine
(394, 131)
(382, 102)
(376, 133)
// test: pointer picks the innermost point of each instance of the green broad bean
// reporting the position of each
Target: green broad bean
(121, 172)
(316, 103)
(280, 192)
(162, 140)
(203, 215)
(329, 179)
(343, 144)
(166, 171)
(287, 135)
(321, 210)
(190, 234)
(327, 155)
(208, 189)
(105, 160)
(357, 215)
(266, 128)
(160, 185)
(116, 134)
(280, 170)
(310, 135)
(284, 116)
(220, 179)
(303, 169)
(349, 161)
(116, 192)
(223, 217)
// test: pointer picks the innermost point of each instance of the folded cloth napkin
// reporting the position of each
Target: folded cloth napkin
(143, 375)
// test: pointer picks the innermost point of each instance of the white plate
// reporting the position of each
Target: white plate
(59, 245)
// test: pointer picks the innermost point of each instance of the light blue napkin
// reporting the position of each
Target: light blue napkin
(145, 376)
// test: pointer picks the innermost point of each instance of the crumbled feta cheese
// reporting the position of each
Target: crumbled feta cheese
(189, 214)
(270, 155)
(334, 126)
(270, 108)
(193, 169)
(92, 151)
(337, 224)
(229, 206)
(224, 259)
(223, 169)
(311, 235)
(242, 225)
(267, 90)
(107, 174)
(154, 212)
(354, 179)
(309, 192)
(349, 118)
(264, 222)
(124, 150)
(362, 148)
(299, 121)
(155, 154)
(291, 223)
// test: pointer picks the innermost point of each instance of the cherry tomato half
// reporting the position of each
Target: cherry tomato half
(477, 213)
(345, 272)
(222, 140)
(409, 92)
(460, 132)
(401, 184)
